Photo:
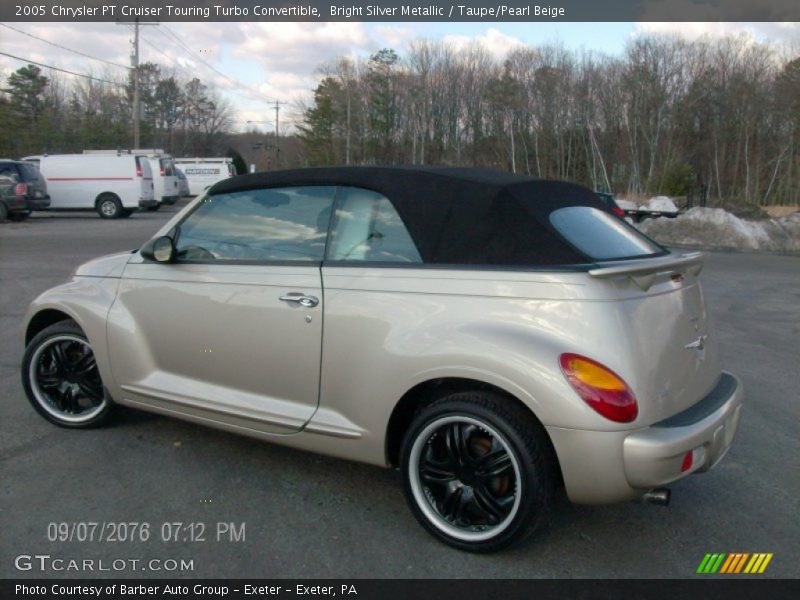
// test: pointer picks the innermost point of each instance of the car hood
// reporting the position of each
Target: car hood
(110, 265)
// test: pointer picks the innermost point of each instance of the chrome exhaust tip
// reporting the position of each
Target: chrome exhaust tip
(658, 496)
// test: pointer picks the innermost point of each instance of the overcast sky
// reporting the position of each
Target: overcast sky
(265, 61)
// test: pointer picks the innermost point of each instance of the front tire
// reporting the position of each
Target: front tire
(61, 379)
(476, 471)
(109, 206)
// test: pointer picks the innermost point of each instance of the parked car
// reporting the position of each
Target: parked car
(12, 203)
(183, 183)
(491, 335)
(202, 173)
(607, 199)
(112, 184)
(29, 185)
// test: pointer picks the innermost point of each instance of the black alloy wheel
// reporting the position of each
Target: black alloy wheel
(61, 378)
(477, 470)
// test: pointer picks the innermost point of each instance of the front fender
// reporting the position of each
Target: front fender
(85, 300)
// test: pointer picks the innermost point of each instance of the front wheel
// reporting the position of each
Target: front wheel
(61, 379)
(476, 472)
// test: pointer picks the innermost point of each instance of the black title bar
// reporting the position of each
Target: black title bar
(378, 589)
(399, 11)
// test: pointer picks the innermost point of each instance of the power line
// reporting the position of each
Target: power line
(38, 64)
(171, 59)
(194, 55)
(36, 37)
(252, 95)
(156, 48)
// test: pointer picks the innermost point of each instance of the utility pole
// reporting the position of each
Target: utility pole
(277, 137)
(135, 64)
(277, 131)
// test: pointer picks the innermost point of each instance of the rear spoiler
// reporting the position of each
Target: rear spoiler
(643, 271)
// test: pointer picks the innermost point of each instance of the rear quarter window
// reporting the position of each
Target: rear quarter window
(601, 236)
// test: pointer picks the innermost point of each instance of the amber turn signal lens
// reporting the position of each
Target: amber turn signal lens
(601, 388)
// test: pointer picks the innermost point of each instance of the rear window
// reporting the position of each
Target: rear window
(167, 167)
(600, 235)
(29, 172)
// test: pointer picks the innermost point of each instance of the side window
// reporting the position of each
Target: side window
(367, 228)
(288, 223)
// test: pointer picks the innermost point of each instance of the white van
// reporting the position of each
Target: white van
(113, 185)
(165, 181)
(202, 173)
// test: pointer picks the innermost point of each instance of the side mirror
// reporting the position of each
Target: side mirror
(160, 249)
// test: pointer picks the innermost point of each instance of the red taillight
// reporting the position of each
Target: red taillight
(162, 171)
(20, 189)
(138, 170)
(618, 211)
(687, 462)
(601, 388)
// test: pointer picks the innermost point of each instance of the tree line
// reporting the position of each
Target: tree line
(668, 116)
(53, 114)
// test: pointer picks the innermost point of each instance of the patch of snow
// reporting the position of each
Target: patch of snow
(716, 228)
(625, 204)
(662, 203)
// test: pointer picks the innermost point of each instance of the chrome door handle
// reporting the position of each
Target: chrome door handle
(307, 301)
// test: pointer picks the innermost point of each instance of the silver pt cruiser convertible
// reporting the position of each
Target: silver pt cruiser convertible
(493, 336)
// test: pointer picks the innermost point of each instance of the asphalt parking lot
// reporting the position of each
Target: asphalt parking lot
(312, 516)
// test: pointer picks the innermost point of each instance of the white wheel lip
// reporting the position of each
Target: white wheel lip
(37, 393)
(433, 517)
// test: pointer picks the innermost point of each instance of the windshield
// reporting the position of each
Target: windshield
(600, 235)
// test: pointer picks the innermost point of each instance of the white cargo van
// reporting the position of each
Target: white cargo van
(112, 184)
(202, 173)
(165, 181)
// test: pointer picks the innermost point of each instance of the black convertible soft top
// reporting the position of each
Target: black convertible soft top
(466, 216)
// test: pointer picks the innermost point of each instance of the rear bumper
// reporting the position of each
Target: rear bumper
(147, 203)
(605, 467)
(39, 203)
(14, 203)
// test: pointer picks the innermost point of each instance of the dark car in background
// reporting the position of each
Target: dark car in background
(12, 204)
(608, 201)
(28, 184)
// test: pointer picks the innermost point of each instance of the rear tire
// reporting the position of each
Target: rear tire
(153, 208)
(3, 212)
(476, 470)
(108, 206)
